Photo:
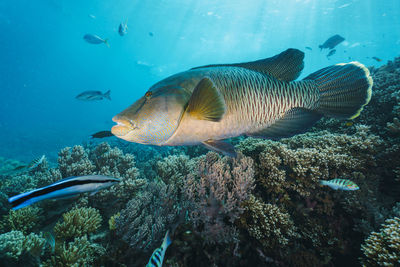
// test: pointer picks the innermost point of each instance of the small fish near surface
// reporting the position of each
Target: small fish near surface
(93, 95)
(123, 28)
(102, 134)
(156, 259)
(331, 53)
(67, 187)
(205, 105)
(332, 42)
(94, 39)
(36, 162)
(308, 48)
(341, 184)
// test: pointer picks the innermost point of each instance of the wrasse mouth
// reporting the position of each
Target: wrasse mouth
(122, 128)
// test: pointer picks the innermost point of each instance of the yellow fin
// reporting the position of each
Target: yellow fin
(206, 103)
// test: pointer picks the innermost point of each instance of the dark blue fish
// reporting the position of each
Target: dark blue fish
(156, 259)
(94, 39)
(102, 134)
(332, 52)
(332, 42)
(67, 187)
(123, 28)
(93, 95)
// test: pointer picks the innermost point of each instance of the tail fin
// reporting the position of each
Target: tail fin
(323, 182)
(167, 240)
(107, 95)
(106, 42)
(344, 89)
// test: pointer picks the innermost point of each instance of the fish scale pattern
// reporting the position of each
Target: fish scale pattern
(255, 100)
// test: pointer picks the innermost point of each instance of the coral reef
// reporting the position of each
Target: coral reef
(146, 218)
(15, 245)
(266, 207)
(77, 223)
(24, 220)
(272, 227)
(74, 162)
(383, 248)
(217, 191)
(79, 252)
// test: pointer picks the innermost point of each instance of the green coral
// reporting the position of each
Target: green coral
(267, 223)
(383, 248)
(77, 223)
(24, 220)
(14, 244)
(79, 252)
(297, 164)
(112, 221)
(74, 162)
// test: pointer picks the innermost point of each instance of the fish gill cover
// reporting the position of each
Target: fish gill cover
(264, 207)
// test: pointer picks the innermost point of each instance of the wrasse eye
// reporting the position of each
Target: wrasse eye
(148, 94)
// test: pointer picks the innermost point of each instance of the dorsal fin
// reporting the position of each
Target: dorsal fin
(285, 66)
(205, 102)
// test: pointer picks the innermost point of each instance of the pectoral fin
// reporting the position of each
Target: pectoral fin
(221, 147)
(206, 103)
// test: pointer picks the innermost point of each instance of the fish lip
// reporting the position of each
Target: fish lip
(122, 127)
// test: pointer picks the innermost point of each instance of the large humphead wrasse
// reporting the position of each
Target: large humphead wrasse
(261, 99)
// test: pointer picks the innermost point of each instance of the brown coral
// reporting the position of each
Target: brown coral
(383, 248)
(268, 224)
(217, 191)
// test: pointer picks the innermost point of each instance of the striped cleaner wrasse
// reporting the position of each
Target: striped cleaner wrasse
(156, 259)
(205, 105)
(67, 187)
(341, 184)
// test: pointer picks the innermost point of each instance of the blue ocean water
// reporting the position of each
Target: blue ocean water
(45, 62)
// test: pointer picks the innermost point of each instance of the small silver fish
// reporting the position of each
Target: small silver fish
(94, 39)
(36, 162)
(67, 187)
(93, 95)
(123, 28)
(341, 184)
(156, 259)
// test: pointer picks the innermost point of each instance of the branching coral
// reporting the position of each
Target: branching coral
(383, 248)
(74, 162)
(217, 191)
(79, 252)
(297, 164)
(14, 244)
(24, 220)
(267, 223)
(78, 222)
(174, 168)
(146, 218)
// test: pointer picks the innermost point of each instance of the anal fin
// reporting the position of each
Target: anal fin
(221, 147)
(295, 121)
